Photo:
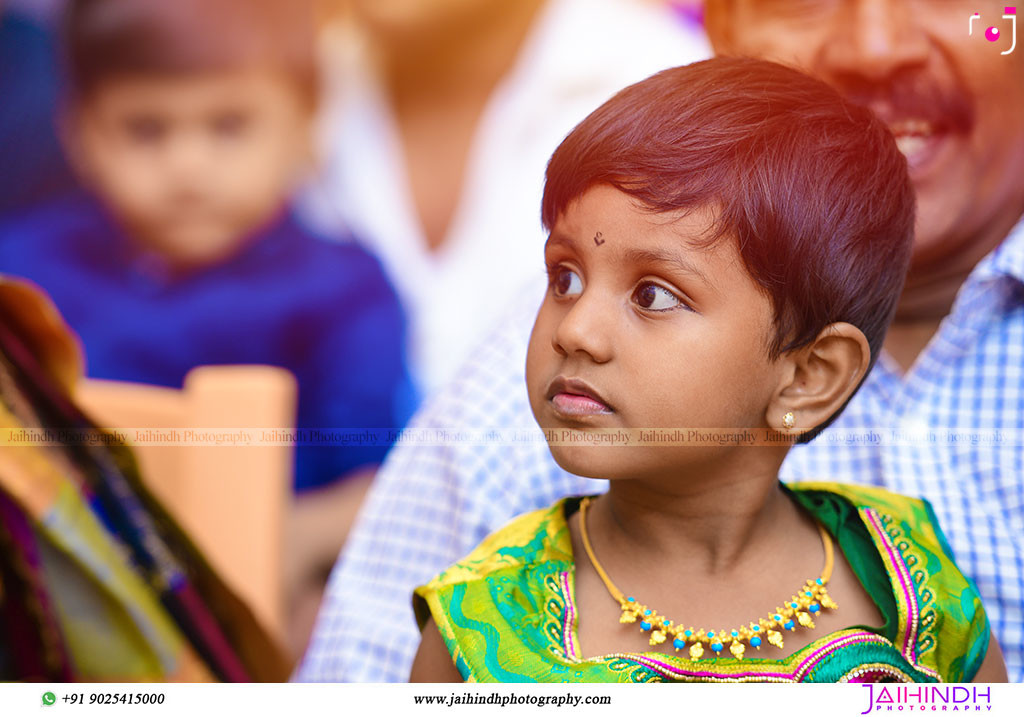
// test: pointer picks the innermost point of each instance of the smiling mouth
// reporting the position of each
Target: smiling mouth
(573, 398)
(918, 139)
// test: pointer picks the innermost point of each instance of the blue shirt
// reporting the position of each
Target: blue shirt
(323, 310)
(33, 163)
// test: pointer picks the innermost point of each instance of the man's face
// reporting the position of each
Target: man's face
(954, 103)
(193, 165)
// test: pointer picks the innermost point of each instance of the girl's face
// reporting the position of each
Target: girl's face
(641, 328)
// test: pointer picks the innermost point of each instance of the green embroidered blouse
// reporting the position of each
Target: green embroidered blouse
(507, 611)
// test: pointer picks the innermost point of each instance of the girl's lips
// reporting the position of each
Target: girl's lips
(575, 398)
(571, 404)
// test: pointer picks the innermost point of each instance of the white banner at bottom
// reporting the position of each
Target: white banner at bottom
(313, 700)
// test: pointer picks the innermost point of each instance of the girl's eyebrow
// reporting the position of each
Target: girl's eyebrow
(668, 258)
(558, 240)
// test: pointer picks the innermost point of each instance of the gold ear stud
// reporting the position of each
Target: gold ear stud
(788, 420)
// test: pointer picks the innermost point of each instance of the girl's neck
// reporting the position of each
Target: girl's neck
(713, 527)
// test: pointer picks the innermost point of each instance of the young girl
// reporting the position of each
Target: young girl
(728, 242)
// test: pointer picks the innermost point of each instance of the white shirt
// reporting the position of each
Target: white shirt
(577, 55)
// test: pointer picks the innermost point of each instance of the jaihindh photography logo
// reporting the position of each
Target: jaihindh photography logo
(993, 33)
(929, 698)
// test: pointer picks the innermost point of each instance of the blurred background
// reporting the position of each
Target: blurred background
(278, 225)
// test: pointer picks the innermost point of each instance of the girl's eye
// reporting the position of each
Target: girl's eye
(566, 282)
(655, 298)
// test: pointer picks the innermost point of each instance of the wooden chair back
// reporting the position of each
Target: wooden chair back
(232, 499)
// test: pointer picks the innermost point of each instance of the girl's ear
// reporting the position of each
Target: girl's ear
(821, 379)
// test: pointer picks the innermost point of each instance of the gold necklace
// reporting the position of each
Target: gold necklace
(798, 610)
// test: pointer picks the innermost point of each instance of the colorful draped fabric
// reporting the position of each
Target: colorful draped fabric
(97, 583)
(507, 612)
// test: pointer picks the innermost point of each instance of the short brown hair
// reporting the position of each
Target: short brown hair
(810, 186)
(108, 38)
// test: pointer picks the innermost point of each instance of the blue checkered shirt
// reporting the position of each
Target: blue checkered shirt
(950, 430)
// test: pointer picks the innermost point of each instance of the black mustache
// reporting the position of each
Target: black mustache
(912, 95)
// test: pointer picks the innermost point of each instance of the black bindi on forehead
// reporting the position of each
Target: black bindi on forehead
(598, 240)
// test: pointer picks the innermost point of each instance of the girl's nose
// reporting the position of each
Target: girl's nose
(585, 329)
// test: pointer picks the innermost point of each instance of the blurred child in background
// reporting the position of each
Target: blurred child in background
(189, 122)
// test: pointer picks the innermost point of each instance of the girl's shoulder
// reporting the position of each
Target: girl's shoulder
(913, 519)
(508, 593)
(541, 536)
(940, 622)
(861, 495)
